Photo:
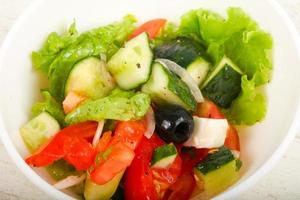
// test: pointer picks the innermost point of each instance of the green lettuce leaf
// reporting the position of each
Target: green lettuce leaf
(53, 45)
(167, 33)
(60, 53)
(51, 106)
(250, 50)
(239, 38)
(249, 107)
(120, 105)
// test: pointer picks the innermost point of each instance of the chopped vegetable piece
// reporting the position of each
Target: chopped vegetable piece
(119, 158)
(38, 130)
(223, 85)
(138, 180)
(69, 144)
(215, 160)
(131, 65)
(216, 181)
(104, 141)
(90, 78)
(93, 191)
(72, 101)
(151, 27)
(232, 140)
(114, 107)
(208, 109)
(165, 87)
(50, 106)
(164, 156)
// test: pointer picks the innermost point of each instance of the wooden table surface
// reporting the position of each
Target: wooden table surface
(283, 182)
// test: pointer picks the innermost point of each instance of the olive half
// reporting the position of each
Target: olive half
(173, 123)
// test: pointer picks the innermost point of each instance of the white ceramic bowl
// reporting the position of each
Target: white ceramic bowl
(262, 145)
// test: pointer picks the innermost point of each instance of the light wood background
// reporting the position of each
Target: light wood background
(283, 182)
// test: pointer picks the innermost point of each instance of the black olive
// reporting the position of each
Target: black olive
(173, 123)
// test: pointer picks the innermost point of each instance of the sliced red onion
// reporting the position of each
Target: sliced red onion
(235, 153)
(69, 182)
(185, 77)
(150, 123)
(98, 133)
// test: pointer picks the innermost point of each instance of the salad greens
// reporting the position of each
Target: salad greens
(51, 106)
(123, 100)
(249, 107)
(239, 38)
(60, 53)
(120, 105)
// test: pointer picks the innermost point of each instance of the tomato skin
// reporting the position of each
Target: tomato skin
(70, 144)
(191, 158)
(182, 189)
(120, 149)
(151, 27)
(79, 153)
(208, 109)
(129, 133)
(104, 141)
(138, 180)
(119, 159)
(232, 140)
(164, 178)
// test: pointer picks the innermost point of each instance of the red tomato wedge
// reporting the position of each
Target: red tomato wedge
(118, 150)
(191, 158)
(104, 141)
(232, 140)
(79, 152)
(208, 109)
(182, 189)
(164, 178)
(118, 159)
(138, 180)
(70, 144)
(71, 101)
(129, 133)
(152, 27)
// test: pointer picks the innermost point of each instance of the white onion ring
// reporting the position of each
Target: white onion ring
(150, 119)
(185, 77)
(98, 133)
(69, 182)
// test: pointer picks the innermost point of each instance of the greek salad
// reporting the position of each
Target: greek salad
(149, 112)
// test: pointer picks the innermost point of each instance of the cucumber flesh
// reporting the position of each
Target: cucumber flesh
(90, 78)
(131, 65)
(216, 181)
(92, 191)
(198, 70)
(39, 130)
(215, 160)
(165, 87)
(164, 156)
(223, 85)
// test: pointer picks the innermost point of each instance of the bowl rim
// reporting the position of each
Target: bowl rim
(238, 189)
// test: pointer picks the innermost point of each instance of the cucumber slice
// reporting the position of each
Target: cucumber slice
(130, 66)
(90, 78)
(223, 85)
(39, 130)
(165, 87)
(215, 160)
(198, 70)
(164, 156)
(92, 191)
(216, 181)
(182, 51)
